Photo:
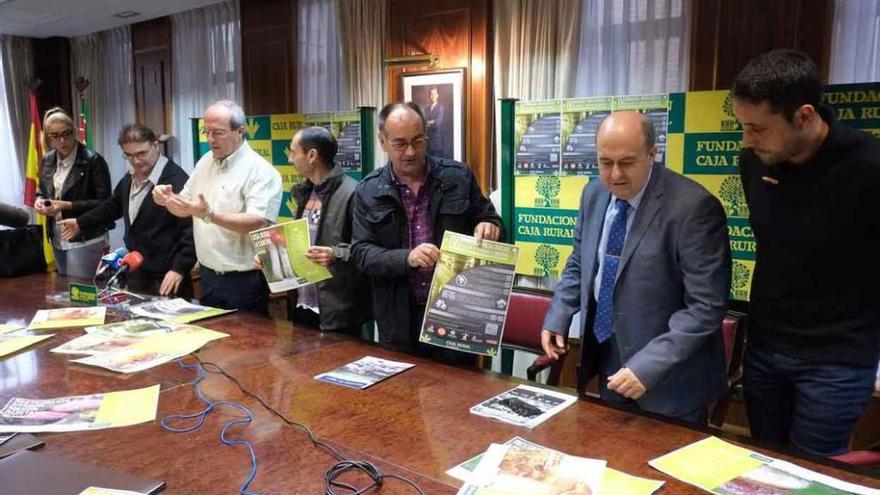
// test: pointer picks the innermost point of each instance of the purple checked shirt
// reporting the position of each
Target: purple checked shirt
(421, 230)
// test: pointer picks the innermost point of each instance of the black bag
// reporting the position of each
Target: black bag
(21, 251)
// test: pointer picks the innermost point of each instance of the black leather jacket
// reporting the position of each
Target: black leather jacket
(87, 186)
(381, 236)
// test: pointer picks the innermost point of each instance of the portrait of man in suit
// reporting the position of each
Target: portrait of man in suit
(650, 270)
(434, 101)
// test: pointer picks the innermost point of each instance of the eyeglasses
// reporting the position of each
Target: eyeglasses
(215, 133)
(54, 136)
(139, 156)
(402, 145)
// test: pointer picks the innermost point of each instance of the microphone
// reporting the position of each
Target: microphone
(110, 261)
(130, 262)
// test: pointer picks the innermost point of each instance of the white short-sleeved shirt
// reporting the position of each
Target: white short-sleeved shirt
(243, 182)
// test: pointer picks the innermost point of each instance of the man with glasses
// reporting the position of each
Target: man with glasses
(165, 241)
(232, 191)
(401, 212)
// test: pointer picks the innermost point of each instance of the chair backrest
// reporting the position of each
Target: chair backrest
(733, 330)
(525, 317)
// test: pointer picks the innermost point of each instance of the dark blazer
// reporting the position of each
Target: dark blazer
(165, 241)
(343, 299)
(671, 292)
(381, 236)
(87, 186)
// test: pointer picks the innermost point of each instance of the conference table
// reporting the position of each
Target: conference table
(416, 424)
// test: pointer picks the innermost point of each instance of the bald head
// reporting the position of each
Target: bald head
(625, 147)
(631, 121)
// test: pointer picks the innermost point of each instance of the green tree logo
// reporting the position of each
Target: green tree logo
(727, 106)
(740, 275)
(547, 258)
(733, 197)
(548, 188)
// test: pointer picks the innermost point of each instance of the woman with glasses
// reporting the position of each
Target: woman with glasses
(73, 180)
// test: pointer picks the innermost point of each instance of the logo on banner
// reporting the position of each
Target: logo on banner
(729, 123)
(547, 258)
(548, 187)
(739, 283)
(733, 197)
(252, 127)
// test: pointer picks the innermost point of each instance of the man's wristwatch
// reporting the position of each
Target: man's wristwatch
(209, 217)
(341, 251)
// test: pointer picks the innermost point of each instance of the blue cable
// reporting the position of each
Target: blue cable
(203, 414)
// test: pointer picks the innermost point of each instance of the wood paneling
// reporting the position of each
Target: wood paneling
(726, 34)
(151, 47)
(268, 49)
(52, 67)
(458, 32)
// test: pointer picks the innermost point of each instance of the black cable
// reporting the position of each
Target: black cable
(343, 465)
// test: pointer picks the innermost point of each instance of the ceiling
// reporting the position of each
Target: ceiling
(68, 18)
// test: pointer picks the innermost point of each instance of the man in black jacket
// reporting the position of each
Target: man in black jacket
(400, 215)
(324, 198)
(164, 240)
(814, 322)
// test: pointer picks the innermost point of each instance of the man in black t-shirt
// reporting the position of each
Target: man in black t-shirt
(812, 187)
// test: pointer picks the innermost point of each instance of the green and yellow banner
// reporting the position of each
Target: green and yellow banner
(697, 135)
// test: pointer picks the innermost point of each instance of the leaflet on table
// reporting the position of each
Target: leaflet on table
(9, 328)
(514, 470)
(105, 338)
(614, 482)
(282, 250)
(68, 317)
(177, 310)
(14, 343)
(364, 372)
(155, 350)
(467, 303)
(94, 490)
(524, 406)
(82, 412)
(726, 469)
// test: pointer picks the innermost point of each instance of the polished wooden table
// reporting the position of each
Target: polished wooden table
(416, 424)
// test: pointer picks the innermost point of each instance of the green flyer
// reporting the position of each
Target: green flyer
(282, 251)
(467, 304)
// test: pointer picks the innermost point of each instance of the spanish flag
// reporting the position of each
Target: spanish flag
(32, 177)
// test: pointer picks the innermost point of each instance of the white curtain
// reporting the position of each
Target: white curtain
(18, 66)
(206, 64)
(536, 44)
(855, 45)
(321, 74)
(362, 28)
(10, 169)
(105, 59)
(632, 47)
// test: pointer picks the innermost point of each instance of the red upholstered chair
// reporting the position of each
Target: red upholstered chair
(522, 331)
(733, 328)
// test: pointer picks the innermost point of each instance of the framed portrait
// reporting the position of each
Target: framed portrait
(440, 94)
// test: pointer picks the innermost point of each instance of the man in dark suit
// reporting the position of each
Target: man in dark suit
(651, 271)
(435, 123)
(165, 241)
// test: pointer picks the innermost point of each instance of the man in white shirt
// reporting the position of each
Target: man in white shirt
(232, 191)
